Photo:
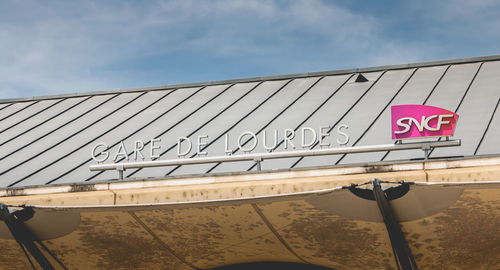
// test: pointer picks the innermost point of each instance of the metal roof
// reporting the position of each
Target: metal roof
(48, 140)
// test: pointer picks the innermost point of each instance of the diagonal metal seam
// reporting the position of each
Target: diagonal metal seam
(463, 97)
(312, 113)
(33, 115)
(426, 99)
(64, 140)
(275, 117)
(180, 121)
(281, 113)
(20, 110)
(232, 126)
(276, 234)
(155, 119)
(344, 115)
(380, 114)
(8, 105)
(257, 107)
(58, 128)
(487, 127)
(44, 121)
(115, 126)
(159, 241)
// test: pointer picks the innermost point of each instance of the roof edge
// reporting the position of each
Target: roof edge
(261, 78)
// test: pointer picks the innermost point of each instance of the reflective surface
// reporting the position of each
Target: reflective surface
(460, 231)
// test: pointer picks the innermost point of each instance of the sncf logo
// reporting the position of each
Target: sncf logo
(417, 121)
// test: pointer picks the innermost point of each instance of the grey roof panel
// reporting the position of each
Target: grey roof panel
(9, 133)
(262, 109)
(150, 121)
(20, 165)
(491, 139)
(476, 110)
(12, 110)
(236, 113)
(51, 127)
(327, 115)
(24, 115)
(447, 94)
(108, 130)
(416, 91)
(366, 111)
(274, 117)
(286, 117)
(172, 120)
(230, 95)
(47, 140)
(4, 105)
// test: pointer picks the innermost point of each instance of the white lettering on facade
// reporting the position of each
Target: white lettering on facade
(226, 145)
(122, 151)
(264, 141)
(179, 146)
(104, 153)
(138, 146)
(323, 133)
(246, 142)
(289, 135)
(252, 137)
(153, 147)
(305, 144)
(343, 134)
(201, 143)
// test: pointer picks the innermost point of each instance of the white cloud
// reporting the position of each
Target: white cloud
(53, 47)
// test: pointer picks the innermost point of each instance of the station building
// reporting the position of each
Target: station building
(295, 171)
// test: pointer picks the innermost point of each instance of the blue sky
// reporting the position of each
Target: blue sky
(54, 47)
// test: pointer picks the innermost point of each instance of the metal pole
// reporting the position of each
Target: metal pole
(398, 241)
(273, 155)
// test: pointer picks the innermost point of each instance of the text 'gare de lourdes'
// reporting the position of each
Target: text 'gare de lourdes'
(305, 137)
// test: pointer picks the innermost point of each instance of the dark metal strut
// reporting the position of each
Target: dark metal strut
(24, 237)
(398, 241)
(402, 251)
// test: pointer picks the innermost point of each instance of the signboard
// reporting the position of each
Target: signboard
(419, 121)
(246, 142)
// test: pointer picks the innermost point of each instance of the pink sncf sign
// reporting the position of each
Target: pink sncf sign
(418, 121)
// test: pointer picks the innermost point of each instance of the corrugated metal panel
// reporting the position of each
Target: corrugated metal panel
(476, 109)
(11, 132)
(415, 91)
(48, 140)
(366, 111)
(13, 109)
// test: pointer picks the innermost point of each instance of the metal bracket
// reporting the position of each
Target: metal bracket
(120, 170)
(426, 147)
(258, 160)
